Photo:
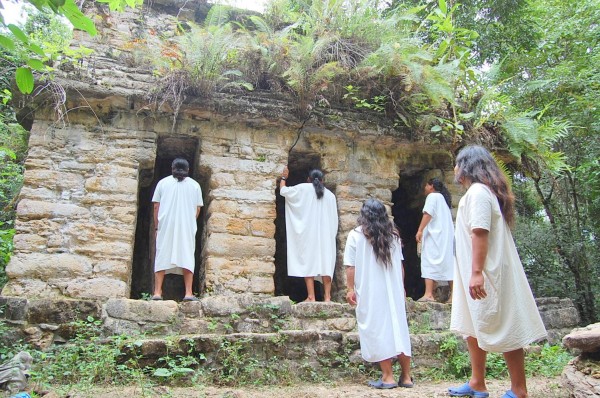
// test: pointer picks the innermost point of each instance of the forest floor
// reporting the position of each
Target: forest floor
(539, 387)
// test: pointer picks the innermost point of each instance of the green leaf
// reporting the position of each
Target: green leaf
(443, 6)
(162, 372)
(7, 42)
(436, 128)
(36, 64)
(18, 33)
(24, 79)
(58, 3)
(76, 17)
(36, 49)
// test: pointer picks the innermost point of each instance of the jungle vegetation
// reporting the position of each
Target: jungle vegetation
(521, 77)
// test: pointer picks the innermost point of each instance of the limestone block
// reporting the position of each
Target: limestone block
(196, 326)
(33, 209)
(262, 284)
(235, 283)
(263, 228)
(222, 180)
(227, 224)
(46, 266)
(73, 165)
(256, 267)
(112, 185)
(53, 179)
(236, 165)
(350, 206)
(26, 243)
(28, 288)
(243, 194)
(579, 384)
(223, 206)
(586, 339)
(257, 210)
(323, 310)
(122, 250)
(97, 288)
(341, 324)
(14, 309)
(234, 246)
(112, 268)
(125, 214)
(115, 170)
(216, 306)
(59, 311)
(165, 311)
(105, 199)
(40, 194)
(347, 222)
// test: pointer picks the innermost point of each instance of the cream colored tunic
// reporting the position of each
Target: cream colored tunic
(381, 312)
(176, 238)
(311, 227)
(437, 257)
(508, 318)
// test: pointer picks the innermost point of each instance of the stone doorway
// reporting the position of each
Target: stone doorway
(408, 201)
(300, 163)
(142, 279)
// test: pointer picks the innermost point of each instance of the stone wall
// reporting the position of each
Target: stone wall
(88, 172)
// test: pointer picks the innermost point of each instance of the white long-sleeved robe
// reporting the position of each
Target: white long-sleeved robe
(508, 318)
(176, 238)
(437, 257)
(381, 312)
(311, 228)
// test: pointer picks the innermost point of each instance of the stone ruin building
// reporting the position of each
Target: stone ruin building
(85, 213)
(84, 243)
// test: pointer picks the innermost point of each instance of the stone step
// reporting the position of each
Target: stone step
(314, 348)
(45, 321)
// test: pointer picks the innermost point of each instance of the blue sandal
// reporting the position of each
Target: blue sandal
(466, 391)
(381, 385)
(509, 394)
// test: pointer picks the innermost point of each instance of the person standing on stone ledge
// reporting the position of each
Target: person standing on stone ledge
(311, 222)
(492, 303)
(436, 233)
(177, 204)
(375, 281)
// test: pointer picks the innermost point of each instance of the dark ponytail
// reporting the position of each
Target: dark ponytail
(180, 168)
(316, 177)
(441, 188)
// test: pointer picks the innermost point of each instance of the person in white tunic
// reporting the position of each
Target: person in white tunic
(311, 223)
(492, 304)
(436, 233)
(375, 281)
(177, 204)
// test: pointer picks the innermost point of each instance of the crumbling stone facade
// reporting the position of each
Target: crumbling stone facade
(83, 218)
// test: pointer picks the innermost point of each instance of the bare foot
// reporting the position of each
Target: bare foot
(309, 300)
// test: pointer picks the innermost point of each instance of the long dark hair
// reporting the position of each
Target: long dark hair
(316, 177)
(440, 187)
(180, 168)
(379, 230)
(475, 164)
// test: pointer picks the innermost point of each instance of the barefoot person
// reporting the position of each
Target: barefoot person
(375, 280)
(492, 304)
(311, 222)
(177, 203)
(436, 232)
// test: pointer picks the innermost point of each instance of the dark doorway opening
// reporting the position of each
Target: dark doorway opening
(408, 201)
(142, 280)
(300, 163)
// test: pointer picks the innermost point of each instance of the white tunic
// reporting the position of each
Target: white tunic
(381, 312)
(437, 257)
(508, 318)
(311, 227)
(176, 238)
